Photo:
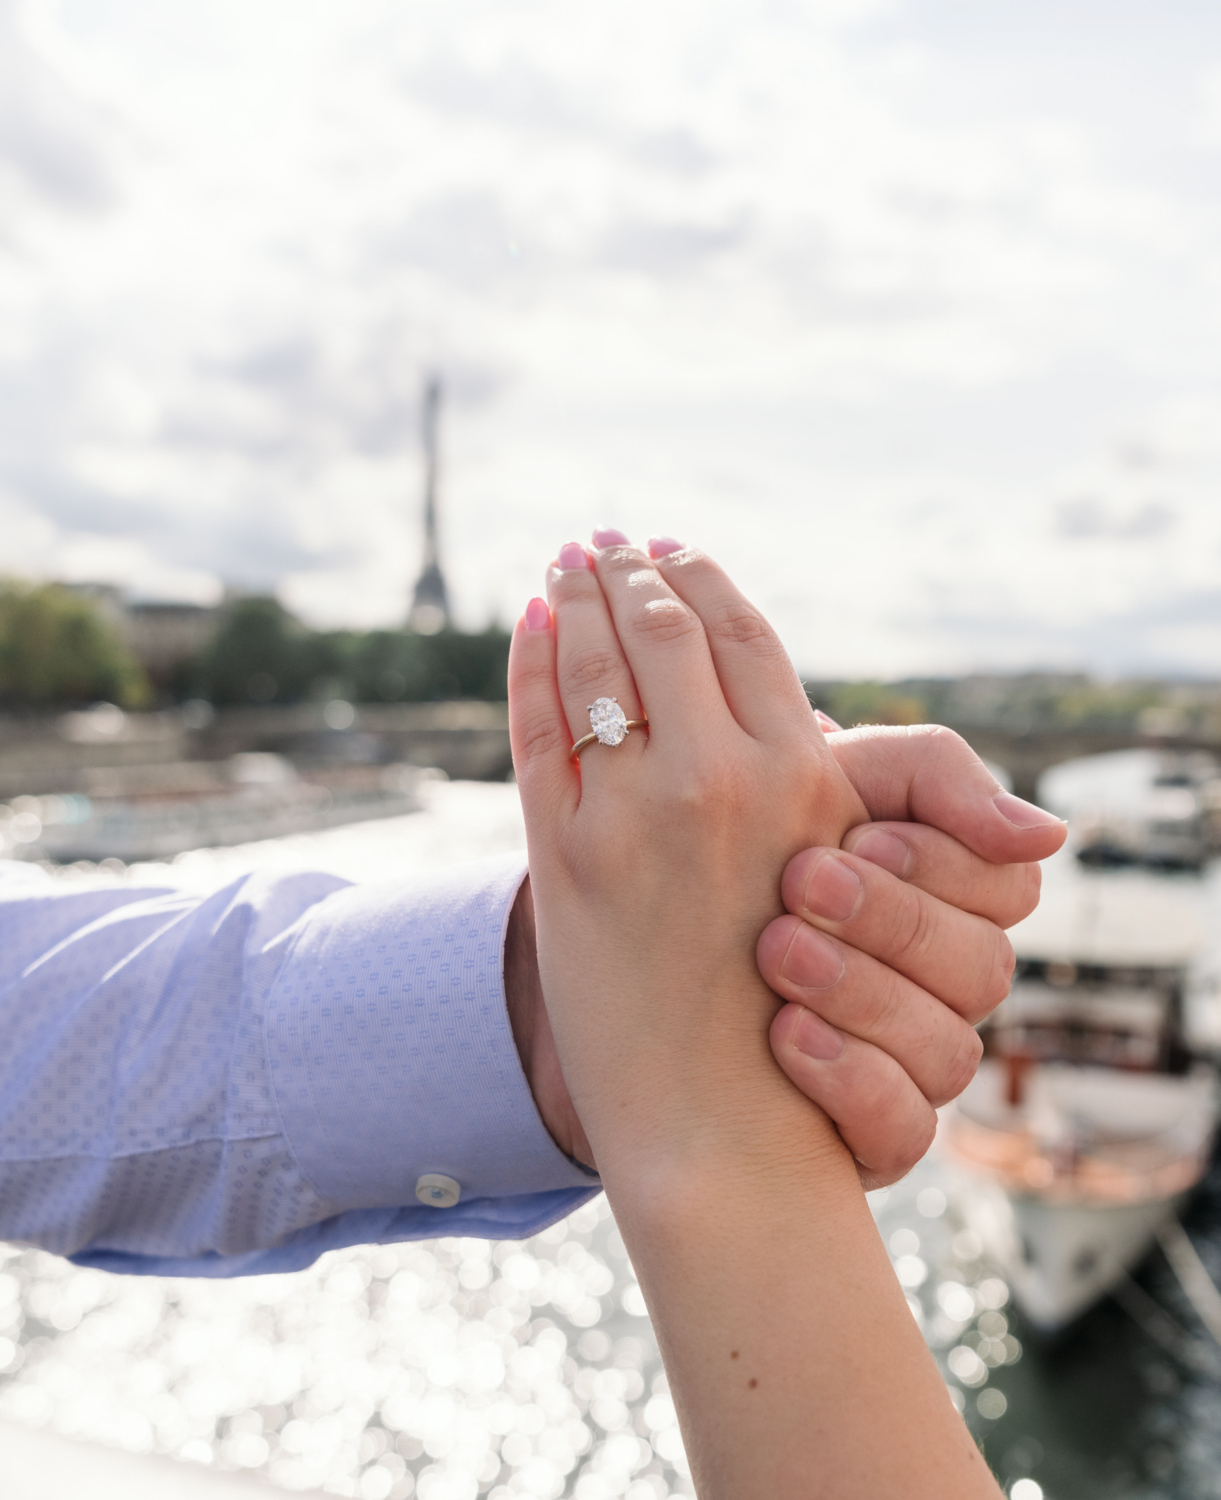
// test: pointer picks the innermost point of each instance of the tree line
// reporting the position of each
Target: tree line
(57, 650)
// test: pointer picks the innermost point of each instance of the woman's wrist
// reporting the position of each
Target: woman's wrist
(753, 1128)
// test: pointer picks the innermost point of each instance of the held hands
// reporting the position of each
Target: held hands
(891, 948)
(653, 864)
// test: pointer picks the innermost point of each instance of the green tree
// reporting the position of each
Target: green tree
(852, 703)
(263, 654)
(468, 666)
(56, 649)
(400, 666)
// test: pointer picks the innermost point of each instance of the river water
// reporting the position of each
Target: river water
(455, 1368)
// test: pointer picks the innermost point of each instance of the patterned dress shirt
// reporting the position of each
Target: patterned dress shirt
(237, 1082)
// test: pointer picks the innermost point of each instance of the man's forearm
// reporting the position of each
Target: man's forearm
(242, 1080)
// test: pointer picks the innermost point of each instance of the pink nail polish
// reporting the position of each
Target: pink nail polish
(572, 555)
(538, 616)
(662, 546)
(815, 1038)
(608, 536)
(1023, 814)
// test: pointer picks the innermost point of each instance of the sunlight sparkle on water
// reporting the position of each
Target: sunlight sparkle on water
(443, 1369)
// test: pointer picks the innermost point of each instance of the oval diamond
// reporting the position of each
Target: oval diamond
(608, 721)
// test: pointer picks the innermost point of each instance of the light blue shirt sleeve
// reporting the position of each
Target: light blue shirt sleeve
(237, 1082)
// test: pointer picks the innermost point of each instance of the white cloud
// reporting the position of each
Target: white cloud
(864, 299)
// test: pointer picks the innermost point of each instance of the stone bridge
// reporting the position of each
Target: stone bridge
(468, 740)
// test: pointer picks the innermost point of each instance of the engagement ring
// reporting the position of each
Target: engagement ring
(608, 724)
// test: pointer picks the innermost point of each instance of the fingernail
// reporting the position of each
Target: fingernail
(829, 725)
(608, 536)
(662, 546)
(1023, 814)
(813, 1036)
(833, 889)
(813, 962)
(538, 616)
(885, 849)
(573, 555)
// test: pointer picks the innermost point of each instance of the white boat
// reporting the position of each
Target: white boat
(1091, 1117)
(1152, 807)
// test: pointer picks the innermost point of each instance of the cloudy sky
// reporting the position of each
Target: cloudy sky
(909, 310)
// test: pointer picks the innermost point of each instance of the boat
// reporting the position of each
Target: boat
(1155, 807)
(1092, 1115)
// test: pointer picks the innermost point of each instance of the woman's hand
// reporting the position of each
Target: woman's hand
(654, 863)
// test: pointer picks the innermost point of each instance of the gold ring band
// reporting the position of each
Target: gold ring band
(589, 739)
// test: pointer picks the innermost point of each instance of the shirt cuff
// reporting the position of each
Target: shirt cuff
(390, 1049)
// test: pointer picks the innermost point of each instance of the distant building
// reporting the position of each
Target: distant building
(109, 601)
(430, 602)
(162, 636)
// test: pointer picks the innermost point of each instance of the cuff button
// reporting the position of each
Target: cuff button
(437, 1190)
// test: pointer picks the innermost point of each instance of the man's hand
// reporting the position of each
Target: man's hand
(893, 949)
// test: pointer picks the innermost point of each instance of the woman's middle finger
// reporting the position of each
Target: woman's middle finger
(662, 638)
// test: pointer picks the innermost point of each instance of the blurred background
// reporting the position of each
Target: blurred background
(909, 309)
(322, 327)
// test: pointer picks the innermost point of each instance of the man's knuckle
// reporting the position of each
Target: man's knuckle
(942, 742)
(912, 929)
(1006, 959)
(907, 1152)
(1028, 880)
(982, 1000)
(921, 1139)
(908, 1133)
(877, 1010)
(997, 976)
(962, 1063)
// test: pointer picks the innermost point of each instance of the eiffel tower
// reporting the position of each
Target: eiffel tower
(430, 602)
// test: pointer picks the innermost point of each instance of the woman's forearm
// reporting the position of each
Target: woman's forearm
(795, 1365)
(786, 1338)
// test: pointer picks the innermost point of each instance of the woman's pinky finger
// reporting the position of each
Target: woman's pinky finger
(538, 726)
(882, 1117)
